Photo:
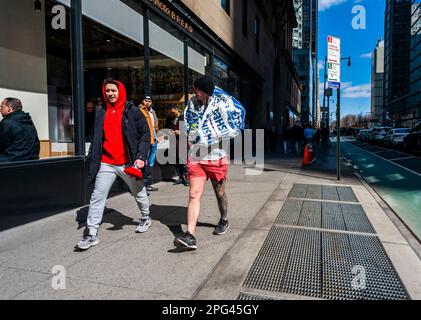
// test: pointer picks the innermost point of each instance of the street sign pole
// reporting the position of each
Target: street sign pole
(334, 81)
(338, 135)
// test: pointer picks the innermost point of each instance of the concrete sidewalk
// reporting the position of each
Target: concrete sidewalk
(126, 265)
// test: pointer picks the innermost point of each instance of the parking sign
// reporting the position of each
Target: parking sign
(334, 62)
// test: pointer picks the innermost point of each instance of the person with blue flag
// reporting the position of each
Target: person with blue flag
(211, 116)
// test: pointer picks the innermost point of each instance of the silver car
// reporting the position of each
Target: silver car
(395, 136)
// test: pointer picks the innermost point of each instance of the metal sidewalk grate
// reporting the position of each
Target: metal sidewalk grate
(269, 267)
(302, 274)
(318, 192)
(330, 193)
(246, 296)
(314, 192)
(356, 267)
(356, 219)
(290, 212)
(310, 214)
(324, 265)
(346, 194)
(325, 215)
(298, 191)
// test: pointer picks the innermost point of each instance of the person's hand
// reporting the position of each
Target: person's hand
(177, 132)
(140, 164)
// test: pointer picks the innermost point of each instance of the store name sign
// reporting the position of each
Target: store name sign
(174, 16)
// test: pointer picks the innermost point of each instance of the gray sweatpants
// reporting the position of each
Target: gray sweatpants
(106, 177)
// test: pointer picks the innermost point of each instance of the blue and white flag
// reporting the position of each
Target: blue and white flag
(223, 119)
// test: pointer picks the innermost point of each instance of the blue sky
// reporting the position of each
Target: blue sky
(335, 18)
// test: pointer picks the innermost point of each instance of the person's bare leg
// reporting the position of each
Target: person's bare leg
(221, 196)
(197, 186)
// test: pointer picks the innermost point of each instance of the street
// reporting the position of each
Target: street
(394, 175)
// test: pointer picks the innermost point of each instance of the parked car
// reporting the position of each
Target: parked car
(395, 137)
(378, 133)
(360, 134)
(363, 135)
(412, 142)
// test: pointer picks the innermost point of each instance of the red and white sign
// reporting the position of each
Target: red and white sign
(334, 62)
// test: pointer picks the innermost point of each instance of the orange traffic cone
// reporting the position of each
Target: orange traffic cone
(306, 160)
(310, 151)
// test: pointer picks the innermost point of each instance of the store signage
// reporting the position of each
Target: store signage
(174, 16)
(334, 62)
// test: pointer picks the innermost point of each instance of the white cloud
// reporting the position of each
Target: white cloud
(366, 55)
(345, 85)
(326, 4)
(359, 91)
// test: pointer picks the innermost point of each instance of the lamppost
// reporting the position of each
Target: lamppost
(338, 126)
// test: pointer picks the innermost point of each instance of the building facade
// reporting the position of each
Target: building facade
(305, 56)
(55, 57)
(377, 72)
(413, 115)
(402, 63)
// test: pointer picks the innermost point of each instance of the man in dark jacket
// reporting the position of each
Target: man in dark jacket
(121, 139)
(173, 119)
(18, 135)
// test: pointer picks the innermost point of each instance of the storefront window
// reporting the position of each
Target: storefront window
(199, 62)
(166, 66)
(110, 54)
(35, 59)
(113, 48)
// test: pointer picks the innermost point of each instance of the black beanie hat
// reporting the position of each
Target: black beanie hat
(147, 97)
(205, 84)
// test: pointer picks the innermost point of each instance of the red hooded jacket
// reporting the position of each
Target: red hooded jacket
(114, 148)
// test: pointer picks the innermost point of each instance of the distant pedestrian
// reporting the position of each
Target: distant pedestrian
(309, 134)
(151, 118)
(90, 112)
(121, 139)
(286, 138)
(297, 137)
(325, 135)
(173, 119)
(273, 138)
(18, 135)
(317, 136)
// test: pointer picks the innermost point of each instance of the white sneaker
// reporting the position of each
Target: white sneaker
(87, 242)
(144, 226)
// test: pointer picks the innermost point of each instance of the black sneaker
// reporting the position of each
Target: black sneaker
(222, 227)
(179, 181)
(186, 240)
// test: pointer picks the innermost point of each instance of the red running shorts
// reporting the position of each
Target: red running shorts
(213, 170)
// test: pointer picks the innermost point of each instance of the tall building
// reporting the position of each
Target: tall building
(55, 56)
(297, 36)
(377, 72)
(305, 56)
(413, 115)
(402, 63)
